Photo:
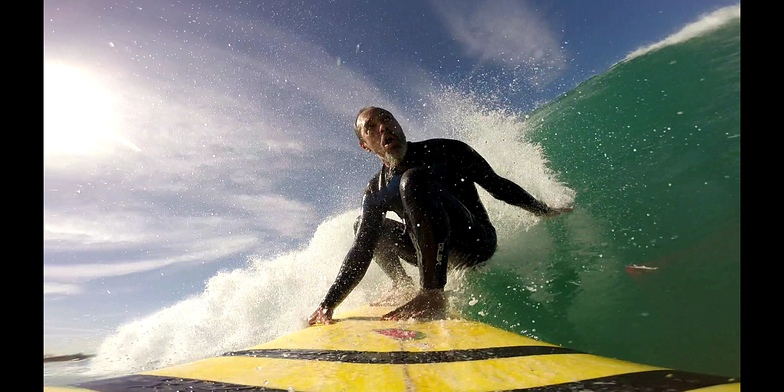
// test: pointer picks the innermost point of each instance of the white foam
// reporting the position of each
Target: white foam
(239, 308)
(704, 24)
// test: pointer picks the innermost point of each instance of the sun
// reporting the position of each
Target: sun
(79, 114)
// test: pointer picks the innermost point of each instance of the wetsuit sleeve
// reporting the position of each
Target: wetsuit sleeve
(500, 187)
(358, 258)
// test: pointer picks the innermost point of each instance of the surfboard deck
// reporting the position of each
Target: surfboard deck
(362, 353)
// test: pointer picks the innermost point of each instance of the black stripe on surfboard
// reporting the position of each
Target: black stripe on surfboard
(652, 380)
(403, 357)
(141, 382)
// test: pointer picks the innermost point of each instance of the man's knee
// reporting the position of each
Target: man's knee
(414, 180)
(412, 176)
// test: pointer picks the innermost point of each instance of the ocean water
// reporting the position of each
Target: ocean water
(652, 149)
(646, 269)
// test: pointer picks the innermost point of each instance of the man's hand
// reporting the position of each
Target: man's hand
(557, 211)
(322, 315)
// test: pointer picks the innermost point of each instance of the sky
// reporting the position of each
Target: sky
(183, 137)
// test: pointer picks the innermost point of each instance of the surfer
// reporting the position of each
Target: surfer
(430, 185)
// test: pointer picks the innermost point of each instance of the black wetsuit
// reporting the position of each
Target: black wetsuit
(433, 191)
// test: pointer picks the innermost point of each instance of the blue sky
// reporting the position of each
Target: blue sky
(182, 137)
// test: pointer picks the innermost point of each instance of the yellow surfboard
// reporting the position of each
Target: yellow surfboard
(362, 353)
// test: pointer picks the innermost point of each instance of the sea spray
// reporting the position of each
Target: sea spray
(498, 133)
(239, 308)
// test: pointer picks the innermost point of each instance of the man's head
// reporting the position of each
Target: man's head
(379, 132)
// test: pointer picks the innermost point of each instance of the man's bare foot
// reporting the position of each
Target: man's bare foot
(398, 294)
(427, 305)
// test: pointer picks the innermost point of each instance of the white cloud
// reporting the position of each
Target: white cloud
(297, 217)
(61, 288)
(507, 33)
(204, 251)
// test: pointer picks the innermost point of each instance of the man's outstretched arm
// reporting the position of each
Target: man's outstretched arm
(506, 190)
(355, 264)
(509, 192)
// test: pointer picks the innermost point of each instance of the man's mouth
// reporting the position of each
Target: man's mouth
(389, 141)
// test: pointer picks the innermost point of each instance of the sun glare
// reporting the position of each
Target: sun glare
(78, 111)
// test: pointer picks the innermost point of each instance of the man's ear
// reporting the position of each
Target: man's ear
(364, 146)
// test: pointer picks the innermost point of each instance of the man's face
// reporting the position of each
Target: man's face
(381, 134)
